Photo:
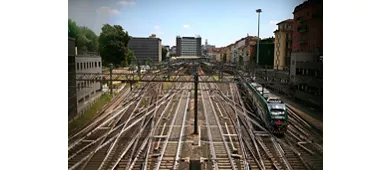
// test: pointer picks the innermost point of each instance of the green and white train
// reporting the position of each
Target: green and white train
(270, 108)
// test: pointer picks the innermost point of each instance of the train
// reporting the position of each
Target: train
(270, 108)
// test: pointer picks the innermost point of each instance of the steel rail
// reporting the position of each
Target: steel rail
(100, 117)
(159, 159)
(101, 146)
(109, 141)
(120, 134)
(211, 144)
(178, 150)
(231, 159)
(170, 100)
(104, 123)
(127, 128)
(261, 163)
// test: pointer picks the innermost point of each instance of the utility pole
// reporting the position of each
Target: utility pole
(196, 81)
(111, 67)
(258, 35)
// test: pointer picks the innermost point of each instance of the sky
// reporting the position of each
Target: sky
(221, 22)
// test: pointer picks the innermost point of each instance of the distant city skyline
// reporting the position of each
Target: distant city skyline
(221, 22)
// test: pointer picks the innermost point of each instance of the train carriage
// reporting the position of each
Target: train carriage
(270, 108)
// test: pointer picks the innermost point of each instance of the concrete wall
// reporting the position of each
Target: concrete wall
(72, 91)
(160, 51)
(298, 57)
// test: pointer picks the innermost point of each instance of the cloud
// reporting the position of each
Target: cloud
(158, 30)
(108, 10)
(186, 26)
(126, 3)
(273, 22)
(159, 33)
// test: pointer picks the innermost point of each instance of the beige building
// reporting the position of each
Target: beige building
(283, 45)
(228, 52)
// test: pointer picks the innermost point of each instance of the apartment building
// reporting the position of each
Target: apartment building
(283, 45)
(307, 46)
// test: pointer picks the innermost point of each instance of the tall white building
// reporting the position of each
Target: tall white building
(188, 46)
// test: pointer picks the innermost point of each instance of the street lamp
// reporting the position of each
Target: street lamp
(258, 36)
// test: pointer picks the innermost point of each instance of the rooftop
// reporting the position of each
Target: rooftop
(287, 20)
(307, 3)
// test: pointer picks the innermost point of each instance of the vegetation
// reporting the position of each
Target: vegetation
(113, 45)
(86, 39)
(167, 85)
(90, 114)
(164, 53)
(148, 61)
(73, 29)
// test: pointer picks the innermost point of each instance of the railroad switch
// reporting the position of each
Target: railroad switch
(156, 155)
(237, 156)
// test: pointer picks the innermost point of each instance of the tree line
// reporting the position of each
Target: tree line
(111, 43)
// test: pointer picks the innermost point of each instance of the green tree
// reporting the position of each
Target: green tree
(148, 61)
(129, 58)
(73, 29)
(88, 39)
(164, 53)
(113, 42)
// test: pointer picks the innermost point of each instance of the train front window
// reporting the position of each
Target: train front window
(274, 101)
(276, 112)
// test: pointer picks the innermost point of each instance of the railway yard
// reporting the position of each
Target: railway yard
(152, 127)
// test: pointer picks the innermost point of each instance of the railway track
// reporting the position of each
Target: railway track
(220, 147)
(148, 129)
(110, 141)
(167, 149)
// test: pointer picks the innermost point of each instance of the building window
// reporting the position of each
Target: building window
(78, 66)
(95, 64)
(99, 64)
(84, 66)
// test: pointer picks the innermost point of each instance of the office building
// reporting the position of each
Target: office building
(188, 46)
(145, 48)
(88, 91)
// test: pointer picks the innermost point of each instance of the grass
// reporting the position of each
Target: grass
(143, 102)
(167, 85)
(216, 78)
(90, 114)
